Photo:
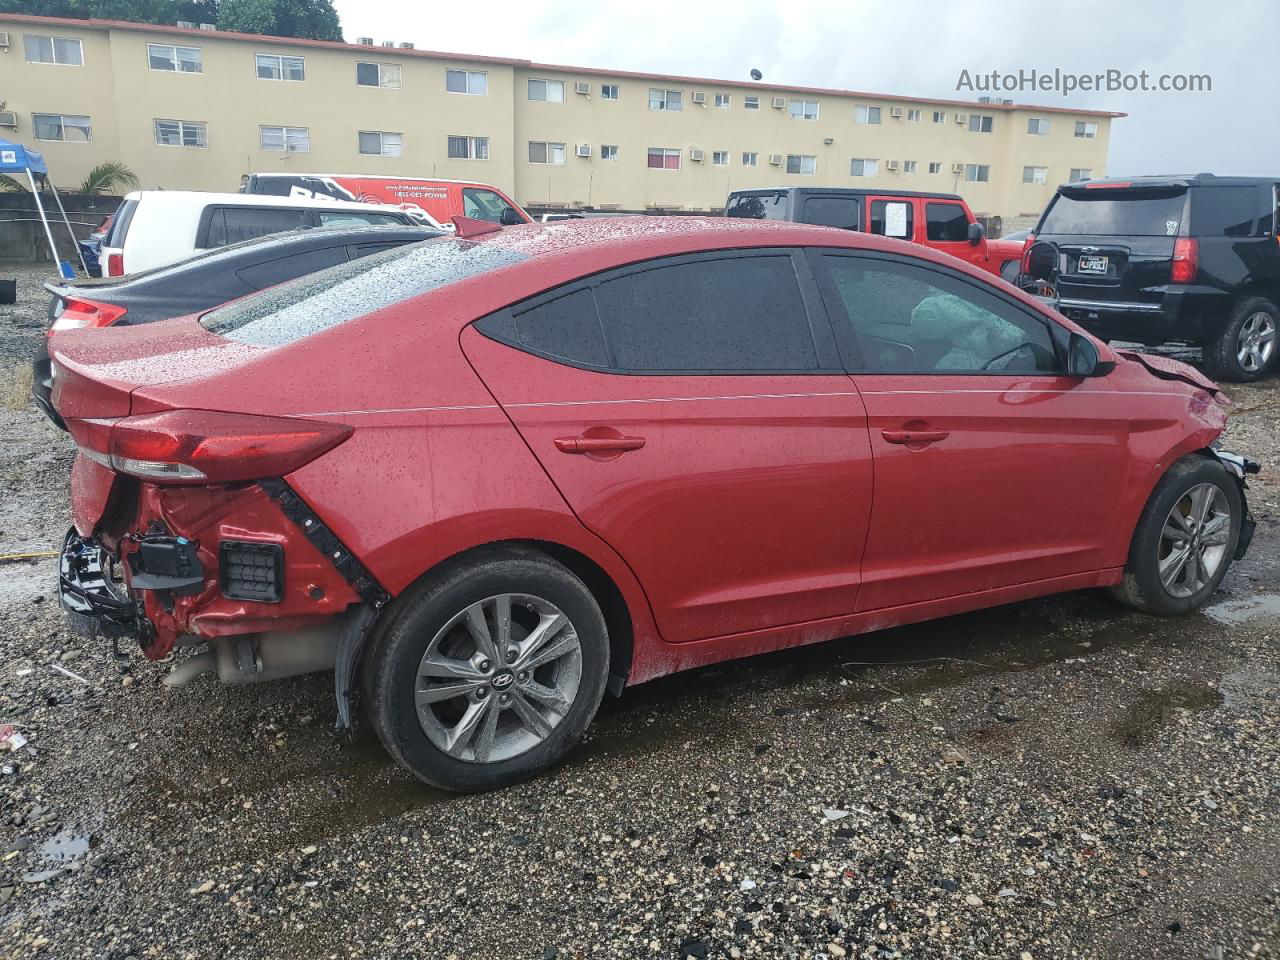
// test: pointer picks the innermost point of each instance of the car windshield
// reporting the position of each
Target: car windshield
(1116, 213)
(758, 206)
(318, 301)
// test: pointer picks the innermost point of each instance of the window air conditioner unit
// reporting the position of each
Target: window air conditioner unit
(891, 166)
(8, 119)
(388, 43)
(696, 155)
(584, 149)
(775, 159)
(406, 46)
(957, 168)
(962, 118)
(208, 27)
(699, 96)
(779, 102)
(895, 112)
(4, 39)
(829, 141)
(365, 41)
(582, 86)
(186, 24)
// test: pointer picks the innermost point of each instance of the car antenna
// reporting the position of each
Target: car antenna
(472, 227)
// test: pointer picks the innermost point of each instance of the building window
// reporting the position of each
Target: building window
(609, 151)
(908, 166)
(979, 123)
(285, 139)
(804, 109)
(977, 172)
(935, 166)
(913, 116)
(58, 126)
(720, 158)
(474, 82)
(750, 159)
(166, 56)
(1081, 173)
(1086, 130)
(540, 151)
(610, 91)
(64, 50)
(1037, 126)
(939, 116)
(376, 143)
(1034, 174)
(468, 148)
(181, 133)
(385, 75)
(549, 91)
(724, 101)
(863, 167)
(866, 114)
(802, 163)
(751, 103)
(664, 99)
(273, 67)
(664, 158)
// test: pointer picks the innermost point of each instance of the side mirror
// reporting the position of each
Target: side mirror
(510, 217)
(1082, 358)
(976, 233)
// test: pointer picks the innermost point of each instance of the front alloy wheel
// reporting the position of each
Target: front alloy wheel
(1193, 543)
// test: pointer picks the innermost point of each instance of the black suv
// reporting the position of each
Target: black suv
(1189, 259)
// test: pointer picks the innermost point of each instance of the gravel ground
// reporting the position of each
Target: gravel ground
(1058, 778)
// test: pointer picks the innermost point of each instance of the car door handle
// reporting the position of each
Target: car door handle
(912, 437)
(598, 444)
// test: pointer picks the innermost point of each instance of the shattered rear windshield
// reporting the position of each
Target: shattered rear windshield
(318, 301)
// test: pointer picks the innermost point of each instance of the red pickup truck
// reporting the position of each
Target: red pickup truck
(942, 221)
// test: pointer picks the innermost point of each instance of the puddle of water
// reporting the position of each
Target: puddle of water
(21, 583)
(1153, 708)
(1235, 612)
(64, 847)
(1244, 689)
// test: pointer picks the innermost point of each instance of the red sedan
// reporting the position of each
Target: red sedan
(486, 477)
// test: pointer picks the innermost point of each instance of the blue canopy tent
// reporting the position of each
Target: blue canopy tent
(15, 158)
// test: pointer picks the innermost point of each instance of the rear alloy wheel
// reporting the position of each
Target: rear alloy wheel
(1185, 539)
(1246, 348)
(489, 672)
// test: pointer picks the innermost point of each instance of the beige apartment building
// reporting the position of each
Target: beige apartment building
(192, 108)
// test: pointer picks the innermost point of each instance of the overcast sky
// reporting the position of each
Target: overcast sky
(912, 48)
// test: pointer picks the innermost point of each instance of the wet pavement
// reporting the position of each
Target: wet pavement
(1057, 778)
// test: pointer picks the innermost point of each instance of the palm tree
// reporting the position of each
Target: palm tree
(10, 184)
(108, 177)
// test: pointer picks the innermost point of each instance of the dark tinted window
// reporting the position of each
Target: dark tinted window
(331, 297)
(739, 313)
(842, 212)
(910, 319)
(120, 224)
(566, 328)
(262, 275)
(893, 218)
(946, 223)
(1111, 212)
(767, 206)
(1228, 211)
(233, 224)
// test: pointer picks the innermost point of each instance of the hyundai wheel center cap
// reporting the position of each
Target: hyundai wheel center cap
(502, 679)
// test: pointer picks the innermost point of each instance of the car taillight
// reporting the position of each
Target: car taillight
(1186, 260)
(115, 265)
(77, 313)
(206, 447)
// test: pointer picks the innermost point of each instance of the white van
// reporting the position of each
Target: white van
(153, 228)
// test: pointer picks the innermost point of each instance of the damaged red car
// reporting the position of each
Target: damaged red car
(486, 477)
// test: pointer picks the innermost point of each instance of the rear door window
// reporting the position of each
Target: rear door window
(1228, 212)
(893, 218)
(842, 212)
(945, 223)
(567, 328)
(233, 224)
(263, 275)
(1115, 212)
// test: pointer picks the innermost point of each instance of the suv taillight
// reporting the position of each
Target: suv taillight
(206, 447)
(115, 265)
(1186, 260)
(77, 313)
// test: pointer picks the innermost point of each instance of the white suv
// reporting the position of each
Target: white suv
(153, 228)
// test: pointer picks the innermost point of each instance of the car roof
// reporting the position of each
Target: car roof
(199, 199)
(843, 191)
(373, 176)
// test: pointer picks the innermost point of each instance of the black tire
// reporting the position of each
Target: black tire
(396, 652)
(1221, 355)
(1141, 587)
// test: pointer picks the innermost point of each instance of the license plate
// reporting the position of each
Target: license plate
(1092, 265)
